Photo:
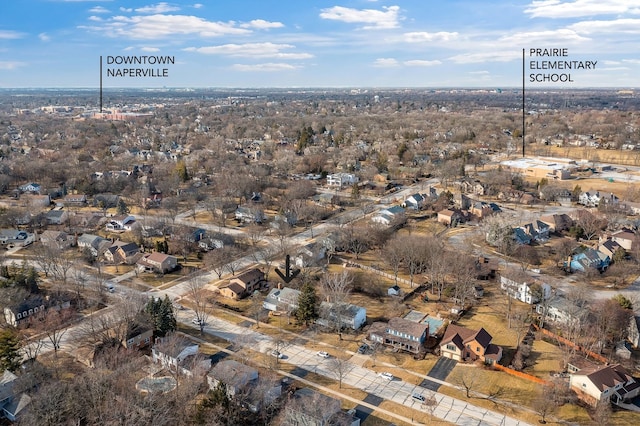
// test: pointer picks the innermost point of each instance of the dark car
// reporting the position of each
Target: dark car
(363, 349)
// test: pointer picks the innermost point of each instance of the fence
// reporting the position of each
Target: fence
(520, 374)
(567, 342)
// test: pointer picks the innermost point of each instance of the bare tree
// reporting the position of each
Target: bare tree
(336, 289)
(216, 260)
(198, 294)
(340, 369)
(54, 325)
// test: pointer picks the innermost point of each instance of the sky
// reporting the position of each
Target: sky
(317, 43)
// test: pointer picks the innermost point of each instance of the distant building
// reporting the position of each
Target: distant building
(340, 180)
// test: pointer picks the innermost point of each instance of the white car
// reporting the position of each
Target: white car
(276, 354)
(323, 354)
(418, 397)
(386, 376)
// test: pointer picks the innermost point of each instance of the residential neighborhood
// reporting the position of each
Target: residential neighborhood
(318, 272)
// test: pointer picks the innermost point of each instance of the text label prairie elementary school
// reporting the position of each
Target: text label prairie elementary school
(555, 65)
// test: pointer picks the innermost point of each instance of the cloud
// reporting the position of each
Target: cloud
(44, 37)
(261, 24)
(492, 56)
(632, 61)
(422, 37)
(149, 49)
(255, 50)
(10, 65)
(552, 37)
(580, 8)
(374, 19)
(269, 67)
(198, 6)
(157, 26)
(617, 26)
(126, 9)
(9, 35)
(386, 63)
(162, 7)
(421, 63)
(95, 18)
(99, 9)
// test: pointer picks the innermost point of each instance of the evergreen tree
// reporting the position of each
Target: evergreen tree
(307, 304)
(10, 356)
(161, 313)
(122, 207)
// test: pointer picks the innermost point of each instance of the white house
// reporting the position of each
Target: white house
(592, 198)
(559, 309)
(414, 201)
(609, 382)
(527, 290)
(178, 356)
(281, 300)
(121, 223)
(339, 180)
(351, 316)
(16, 237)
(388, 216)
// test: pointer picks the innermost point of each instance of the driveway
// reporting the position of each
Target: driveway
(439, 371)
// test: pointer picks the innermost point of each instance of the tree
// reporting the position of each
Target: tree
(162, 315)
(340, 368)
(10, 356)
(307, 304)
(336, 289)
(589, 223)
(602, 412)
(199, 297)
(54, 324)
(122, 208)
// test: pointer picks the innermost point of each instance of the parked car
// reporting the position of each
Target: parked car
(323, 354)
(276, 354)
(363, 349)
(386, 376)
(197, 322)
(418, 397)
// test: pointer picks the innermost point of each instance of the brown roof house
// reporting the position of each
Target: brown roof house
(401, 334)
(157, 262)
(557, 222)
(243, 285)
(463, 344)
(609, 382)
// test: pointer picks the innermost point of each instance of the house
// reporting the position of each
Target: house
(309, 255)
(208, 243)
(394, 291)
(74, 200)
(414, 201)
(559, 309)
(610, 382)
(593, 198)
(347, 315)
(471, 186)
(121, 223)
(138, 335)
(557, 222)
(243, 285)
(12, 403)
(588, 259)
(633, 333)
(180, 356)
(16, 237)
(31, 187)
(281, 300)
(480, 209)
(388, 216)
(249, 214)
(157, 262)
(57, 239)
(340, 180)
(56, 217)
(93, 243)
(462, 344)
(451, 217)
(461, 201)
(525, 289)
(536, 230)
(520, 236)
(24, 311)
(236, 377)
(400, 333)
(106, 200)
(625, 237)
(610, 248)
(122, 252)
(486, 268)
(37, 202)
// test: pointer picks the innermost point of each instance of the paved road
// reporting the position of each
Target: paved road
(450, 409)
